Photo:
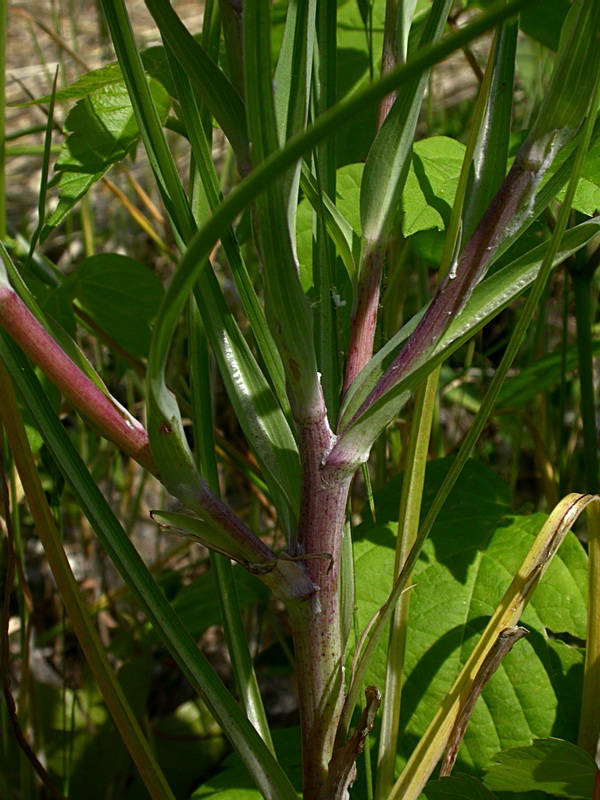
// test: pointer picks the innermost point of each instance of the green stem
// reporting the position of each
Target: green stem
(408, 526)
(241, 663)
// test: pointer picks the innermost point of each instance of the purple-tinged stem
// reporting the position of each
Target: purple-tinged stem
(116, 424)
(363, 322)
(104, 412)
(389, 55)
(460, 281)
(316, 624)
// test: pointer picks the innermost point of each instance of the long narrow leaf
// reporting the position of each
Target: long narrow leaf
(387, 164)
(288, 311)
(253, 751)
(200, 246)
(213, 86)
(75, 606)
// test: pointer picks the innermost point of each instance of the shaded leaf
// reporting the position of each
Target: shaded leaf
(546, 27)
(552, 765)
(232, 783)
(457, 786)
(121, 295)
(541, 376)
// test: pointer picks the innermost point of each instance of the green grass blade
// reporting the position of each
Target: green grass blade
(245, 677)
(292, 82)
(203, 159)
(269, 777)
(76, 608)
(387, 164)
(345, 238)
(256, 407)
(194, 260)
(159, 155)
(213, 87)
(165, 428)
(288, 311)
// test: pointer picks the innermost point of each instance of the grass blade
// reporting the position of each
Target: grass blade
(75, 606)
(255, 754)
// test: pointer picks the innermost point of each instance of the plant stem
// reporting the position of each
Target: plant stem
(316, 622)
(364, 317)
(408, 526)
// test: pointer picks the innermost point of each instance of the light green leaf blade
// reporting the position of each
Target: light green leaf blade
(86, 84)
(431, 184)
(549, 765)
(101, 131)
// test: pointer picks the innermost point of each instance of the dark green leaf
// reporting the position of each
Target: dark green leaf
(546, 26)
(541, 376)
(552, 765)
(457, 787)
(121, 295)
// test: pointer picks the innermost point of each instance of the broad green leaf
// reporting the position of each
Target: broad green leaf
(154, 60)
(457, 787)
(550, 765)
(587, 197)
(545, 27)
(101, 130)
(121, 295)
(465, 567)
(431, 184)
(87, 84)
(344, 230)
